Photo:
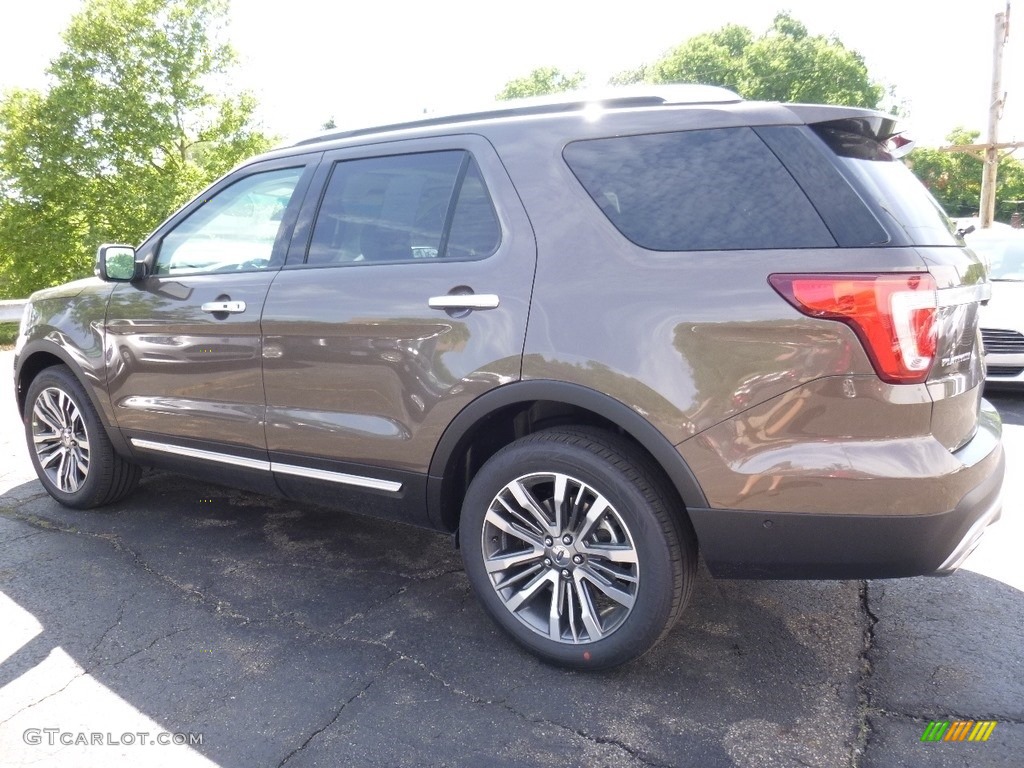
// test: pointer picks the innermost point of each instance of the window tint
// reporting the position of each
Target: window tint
(717, 189)
(897, 195)
(474, 230)
(234, 230)
(849, 220)
(404, 207)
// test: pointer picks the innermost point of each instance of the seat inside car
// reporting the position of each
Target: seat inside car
(383, 242)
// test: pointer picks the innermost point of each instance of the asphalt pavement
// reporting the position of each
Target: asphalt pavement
(251, 631)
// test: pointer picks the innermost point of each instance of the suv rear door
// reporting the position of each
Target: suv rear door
(404, 297)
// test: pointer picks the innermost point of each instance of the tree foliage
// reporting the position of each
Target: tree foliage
(629, 76)
(128, 129)
(786, 63)
(954, 178)
(712, 58)
(541, 81)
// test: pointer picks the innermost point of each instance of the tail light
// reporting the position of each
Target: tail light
(893, 315)
(899, 145)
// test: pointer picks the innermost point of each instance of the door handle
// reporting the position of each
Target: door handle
(223, 306)
(464, 301)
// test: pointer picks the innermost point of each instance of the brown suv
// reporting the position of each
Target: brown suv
(589, 337)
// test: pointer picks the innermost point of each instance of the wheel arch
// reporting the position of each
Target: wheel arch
(502, 415)
(40, 355)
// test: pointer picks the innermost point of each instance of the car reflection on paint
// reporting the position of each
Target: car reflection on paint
(142, 352)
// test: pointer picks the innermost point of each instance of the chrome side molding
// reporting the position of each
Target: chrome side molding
(197, 453)
(336, 477)
(343, 478)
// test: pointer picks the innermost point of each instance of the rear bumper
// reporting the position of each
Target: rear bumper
(992, 507)
(750, 544)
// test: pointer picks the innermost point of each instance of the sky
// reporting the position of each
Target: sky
(368, 62)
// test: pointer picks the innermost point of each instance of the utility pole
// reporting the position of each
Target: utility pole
(986, 210)
(991, 152)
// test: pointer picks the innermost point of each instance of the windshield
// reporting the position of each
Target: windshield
(1005, 258)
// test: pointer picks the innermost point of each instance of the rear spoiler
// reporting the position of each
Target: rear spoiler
(868, 123)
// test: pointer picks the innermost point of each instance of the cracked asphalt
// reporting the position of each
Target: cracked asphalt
(288, 635)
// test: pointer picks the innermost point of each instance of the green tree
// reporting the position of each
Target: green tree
(129, 128)
(541, 81)
(954, 178)
(784, 64)
(629, 76)
(713, 58)
(1009, 188)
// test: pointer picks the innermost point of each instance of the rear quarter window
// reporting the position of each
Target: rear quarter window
(898, 198)
(719, 189)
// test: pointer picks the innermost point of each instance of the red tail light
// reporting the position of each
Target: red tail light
(893, 315)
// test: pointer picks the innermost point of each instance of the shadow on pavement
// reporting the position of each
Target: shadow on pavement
(1009, 404)
(294, 635)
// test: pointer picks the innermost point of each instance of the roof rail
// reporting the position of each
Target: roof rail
(572, 101)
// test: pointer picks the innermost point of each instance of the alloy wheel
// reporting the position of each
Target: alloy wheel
(60, 439)
(560, 557)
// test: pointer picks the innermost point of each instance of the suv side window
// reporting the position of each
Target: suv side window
(235, 230)
(431, 205)
(719, 189)
(474, 229)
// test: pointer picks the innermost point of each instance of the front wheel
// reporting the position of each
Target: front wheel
(70, 450)
(570, 541)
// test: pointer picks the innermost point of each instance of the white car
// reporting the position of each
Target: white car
(1002, 319)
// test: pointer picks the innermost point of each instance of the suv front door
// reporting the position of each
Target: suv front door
(404, 297)
(183, 343)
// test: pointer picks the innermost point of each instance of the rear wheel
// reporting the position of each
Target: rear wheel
(570, 542)
(68, 445)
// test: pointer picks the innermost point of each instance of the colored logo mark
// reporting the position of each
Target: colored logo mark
(958, 730)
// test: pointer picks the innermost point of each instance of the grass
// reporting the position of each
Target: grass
(8, 333)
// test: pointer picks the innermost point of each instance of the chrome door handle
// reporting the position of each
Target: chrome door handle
(464, 301)
(223, 306)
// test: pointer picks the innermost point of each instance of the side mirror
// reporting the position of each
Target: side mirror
(115, 263)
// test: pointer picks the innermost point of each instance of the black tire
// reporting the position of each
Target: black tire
(637, 543)
(74, 458)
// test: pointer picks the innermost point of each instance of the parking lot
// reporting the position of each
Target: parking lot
(264, 633)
